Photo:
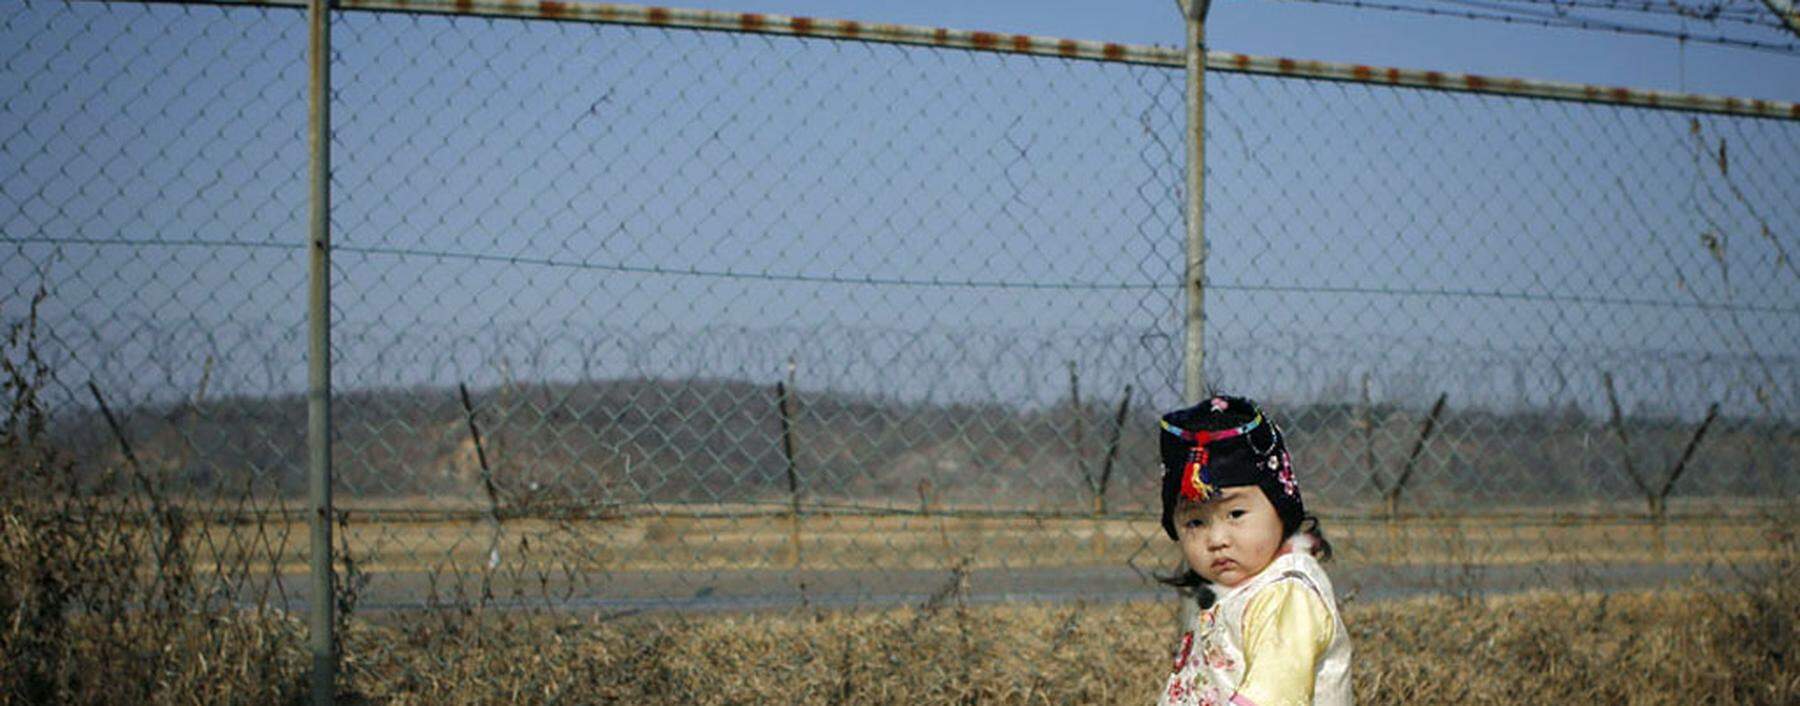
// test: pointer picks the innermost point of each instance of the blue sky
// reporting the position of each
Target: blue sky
(562, 201)
(1310, 31)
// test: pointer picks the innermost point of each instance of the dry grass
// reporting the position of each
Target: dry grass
(81, 624)
(1681, 647)
(1652, 648)
(1658, 648)
(1700, 644)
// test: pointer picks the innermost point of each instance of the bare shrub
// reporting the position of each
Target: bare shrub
(98, 602)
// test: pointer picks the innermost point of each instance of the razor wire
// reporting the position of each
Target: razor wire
(636, 317)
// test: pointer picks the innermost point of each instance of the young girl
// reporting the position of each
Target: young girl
(1268, 632)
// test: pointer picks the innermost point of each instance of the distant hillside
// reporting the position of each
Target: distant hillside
(623, 441)
(626, 441)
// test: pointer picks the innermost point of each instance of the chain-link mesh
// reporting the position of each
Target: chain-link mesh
(697, 282)
(152, 195)
(632, 318)
(1512, 317)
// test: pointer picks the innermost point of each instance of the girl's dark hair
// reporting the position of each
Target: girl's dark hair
(1189, 580)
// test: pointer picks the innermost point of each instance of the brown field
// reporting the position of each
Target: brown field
(88, 619)
(1680, 647)
(1672, 648)
(729, 541)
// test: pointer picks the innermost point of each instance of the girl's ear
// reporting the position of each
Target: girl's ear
(1302, 542)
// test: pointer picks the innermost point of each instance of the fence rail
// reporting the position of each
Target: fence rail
(974, 40)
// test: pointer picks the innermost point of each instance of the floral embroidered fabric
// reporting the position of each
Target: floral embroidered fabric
(1276, 639)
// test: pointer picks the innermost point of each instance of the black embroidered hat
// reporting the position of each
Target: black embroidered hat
(1226, 442)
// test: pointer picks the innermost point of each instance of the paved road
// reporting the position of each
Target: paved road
(750, 590)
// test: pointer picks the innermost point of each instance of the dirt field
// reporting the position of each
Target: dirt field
(859, 542)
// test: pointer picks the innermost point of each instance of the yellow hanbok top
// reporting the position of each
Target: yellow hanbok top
(1275, 640)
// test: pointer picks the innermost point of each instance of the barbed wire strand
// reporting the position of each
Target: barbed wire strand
(1556, 21)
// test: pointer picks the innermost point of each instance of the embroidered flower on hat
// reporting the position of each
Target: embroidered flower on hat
(1286, 475)
(1218, 404)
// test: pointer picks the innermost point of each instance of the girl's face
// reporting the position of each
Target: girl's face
(1231, 537)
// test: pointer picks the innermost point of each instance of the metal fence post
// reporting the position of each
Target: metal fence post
(1194, 274)
(318, 432)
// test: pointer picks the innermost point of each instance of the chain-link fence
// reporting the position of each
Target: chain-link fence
(634, 316)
